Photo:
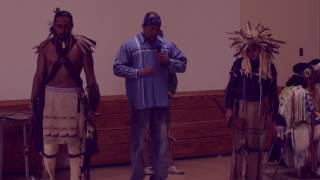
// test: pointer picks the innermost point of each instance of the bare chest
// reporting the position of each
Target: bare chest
(74, 55)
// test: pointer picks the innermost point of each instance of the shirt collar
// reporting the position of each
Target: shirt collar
(141, 38)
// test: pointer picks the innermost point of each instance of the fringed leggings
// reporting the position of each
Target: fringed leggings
(248, 137)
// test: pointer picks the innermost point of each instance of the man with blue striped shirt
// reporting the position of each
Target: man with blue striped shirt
(145, 61)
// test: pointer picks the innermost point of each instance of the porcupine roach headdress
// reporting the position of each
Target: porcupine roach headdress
(261, 38)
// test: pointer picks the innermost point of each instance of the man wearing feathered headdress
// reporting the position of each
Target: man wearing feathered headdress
(57, 98)
(297, 108)
(251, 97)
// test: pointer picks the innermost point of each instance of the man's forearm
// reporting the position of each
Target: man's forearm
(178, 65)
(125, 71)
(35, 88)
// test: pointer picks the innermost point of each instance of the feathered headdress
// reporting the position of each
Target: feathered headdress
(261, 38)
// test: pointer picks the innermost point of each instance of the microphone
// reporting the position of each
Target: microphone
(158, 47)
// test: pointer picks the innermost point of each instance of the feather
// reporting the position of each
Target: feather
(87, 45)
(263, 30)
(258, 26)
(278, 41)
(236, 43)
(42, 45)
(249, 28)
(90, 40)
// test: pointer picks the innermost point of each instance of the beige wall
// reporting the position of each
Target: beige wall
(294, 21)
(197, 27)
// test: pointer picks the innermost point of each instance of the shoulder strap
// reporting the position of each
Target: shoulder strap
(70, 68)
(63, 60)
(53, 73)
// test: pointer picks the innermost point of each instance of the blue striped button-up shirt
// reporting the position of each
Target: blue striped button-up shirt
(135, 54)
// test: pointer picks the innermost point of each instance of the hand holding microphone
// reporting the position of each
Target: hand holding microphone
(163, 58)
(163, 55)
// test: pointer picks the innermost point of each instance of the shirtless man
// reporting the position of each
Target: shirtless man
(61, 59)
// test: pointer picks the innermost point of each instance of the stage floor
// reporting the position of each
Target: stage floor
(210, 168)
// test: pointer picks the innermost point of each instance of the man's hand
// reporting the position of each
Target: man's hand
(228, 116)
(148, 71)
(90, 117)
(280, 131)
(32, 110)
(163, 57)
(31, 115)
